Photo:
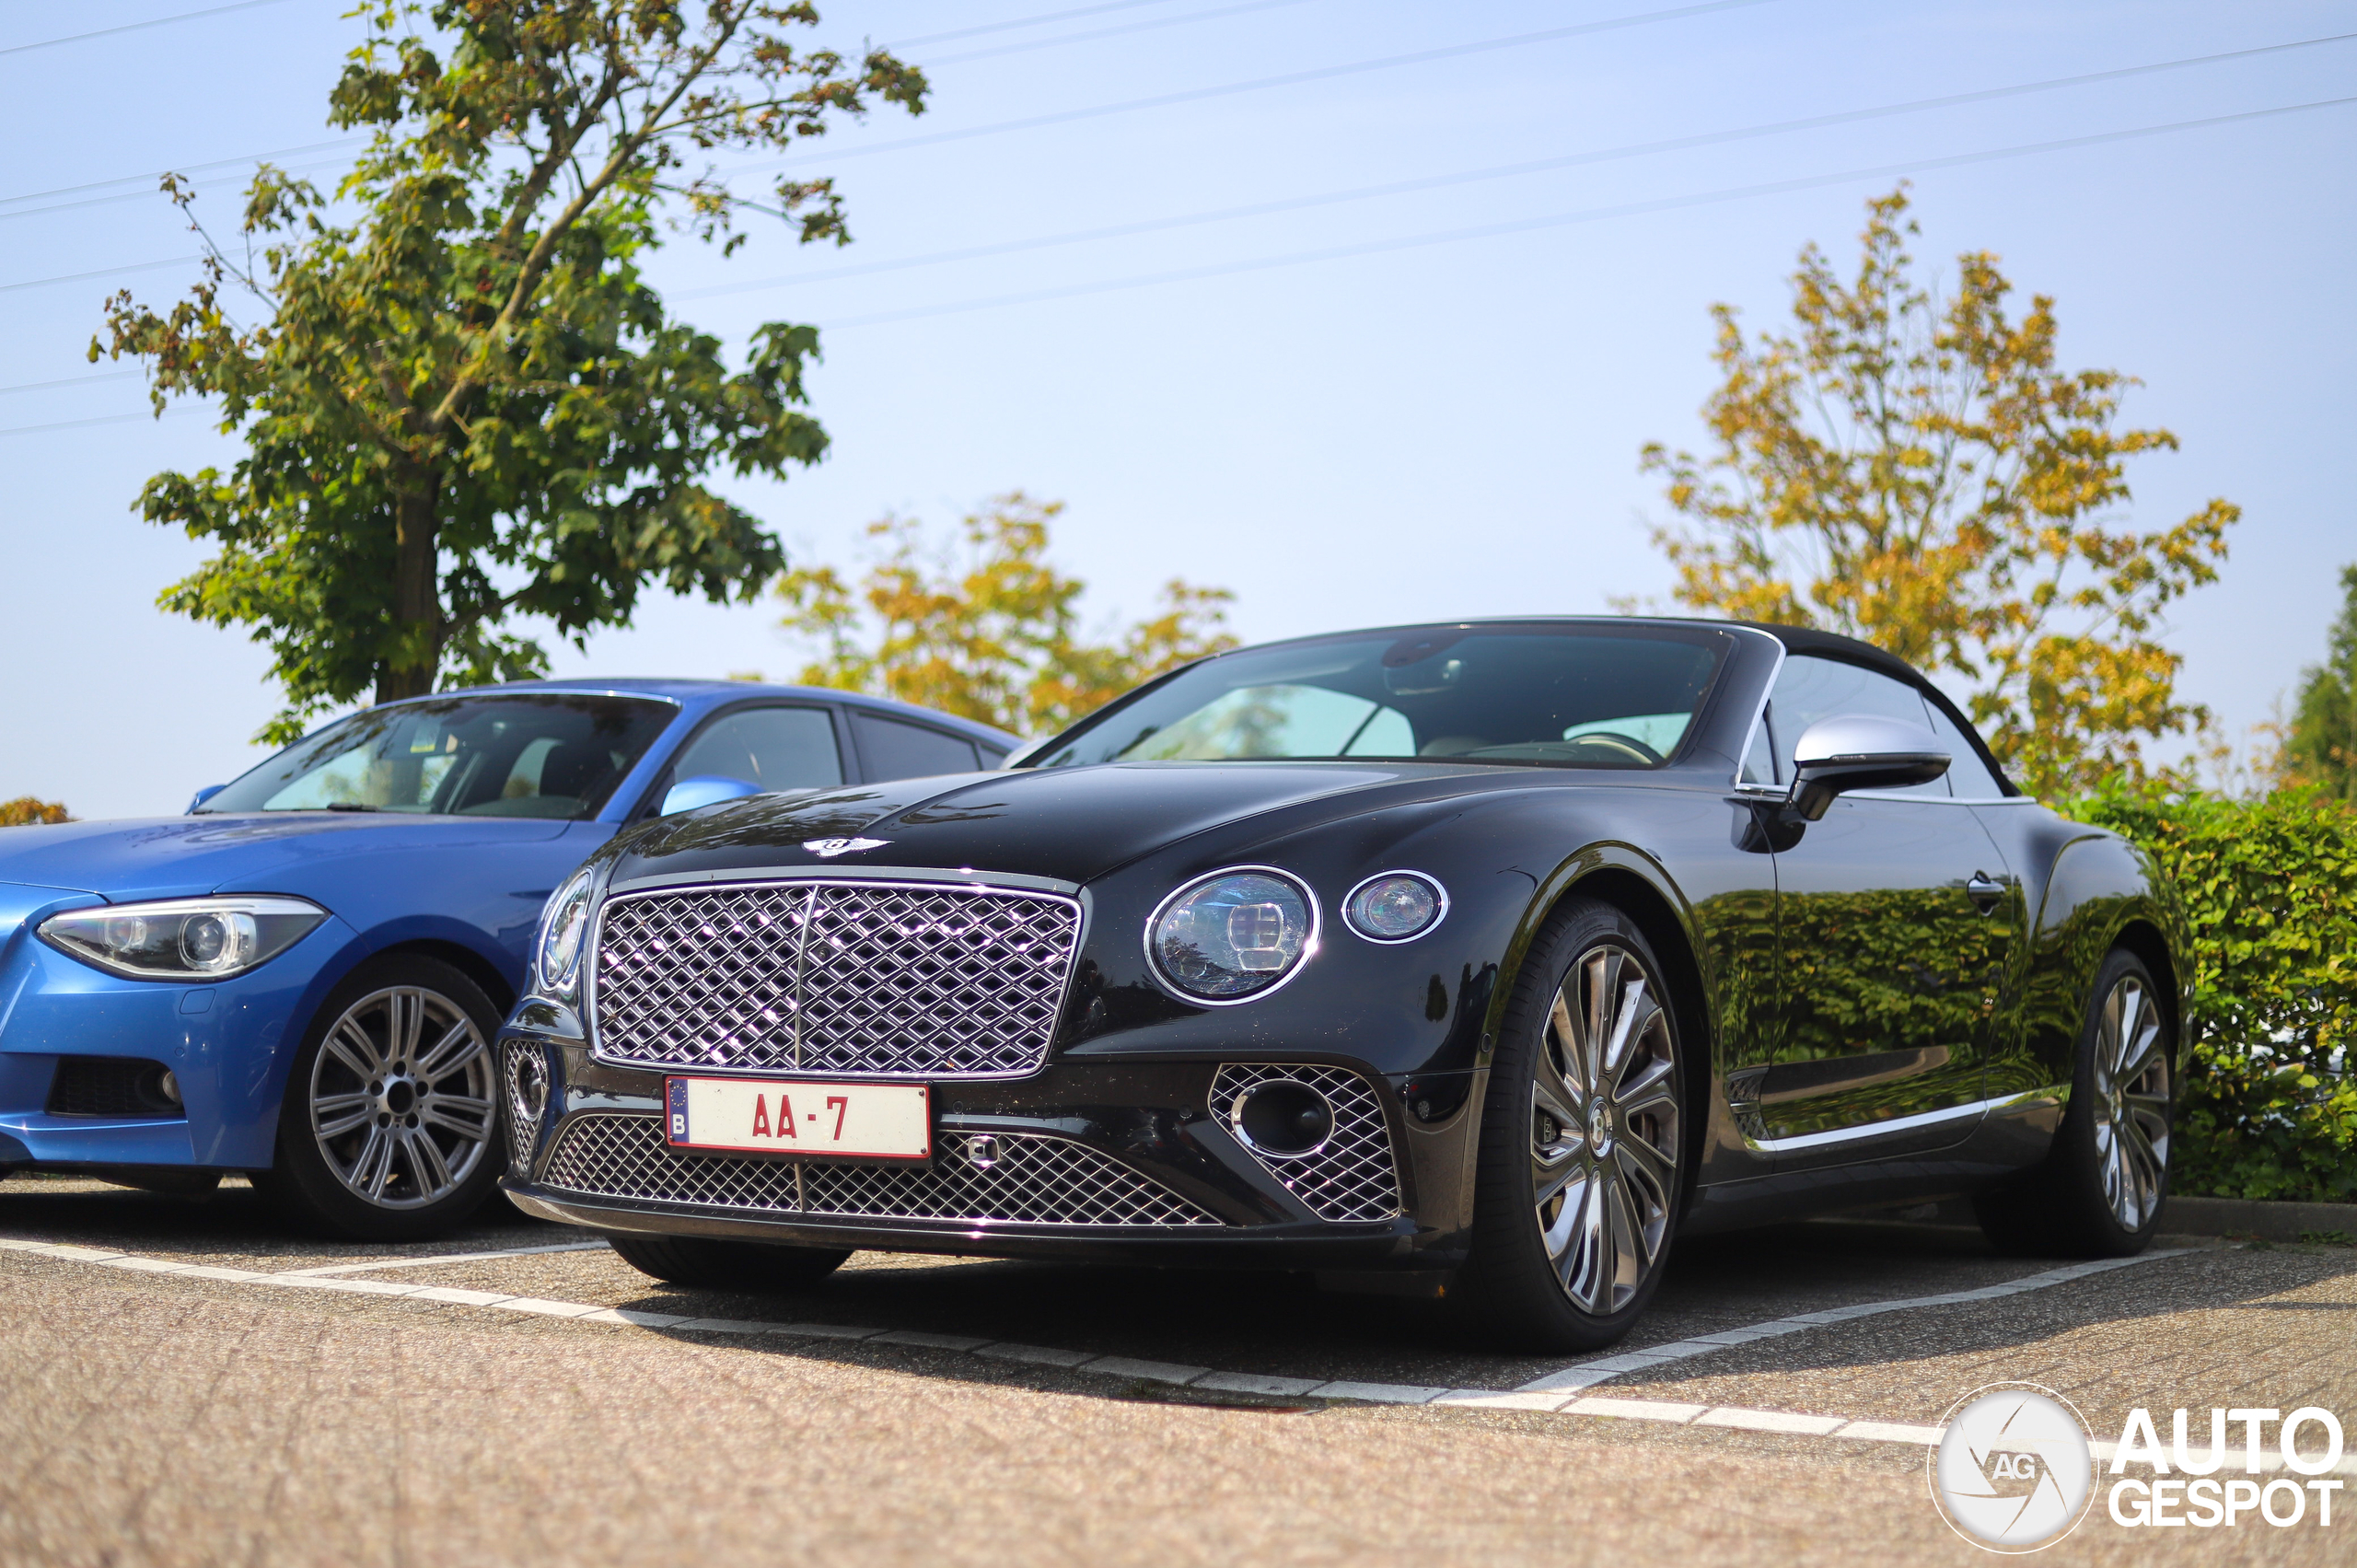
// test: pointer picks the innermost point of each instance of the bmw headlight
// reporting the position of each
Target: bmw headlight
(1396, 906)
(565, 926)
(1233, 934)
(183, 939)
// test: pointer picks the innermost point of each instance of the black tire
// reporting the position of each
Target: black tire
(709, 1264)
(1542, 1274)
(314, 1179)
(2089, 1198)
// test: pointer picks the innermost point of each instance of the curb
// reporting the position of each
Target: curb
(2244, 1216)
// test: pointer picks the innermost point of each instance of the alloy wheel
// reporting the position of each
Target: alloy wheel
(1605, 1143)
(401, 1098)
(2131, 1110)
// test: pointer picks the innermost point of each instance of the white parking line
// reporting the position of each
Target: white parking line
(1588, 1374)
(1793, 1423)
(446, 1257)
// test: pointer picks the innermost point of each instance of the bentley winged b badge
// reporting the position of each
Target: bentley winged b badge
(827, 849)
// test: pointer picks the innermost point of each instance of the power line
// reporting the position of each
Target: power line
(1486, 231)
(1156, 24)
(150, 195)
(71, 381)
(1538, 166)
(1024, 22)
(184, 169)
(1557, 220)
(137, 26)
(101, 273)
(1290, 78)
(101, 419)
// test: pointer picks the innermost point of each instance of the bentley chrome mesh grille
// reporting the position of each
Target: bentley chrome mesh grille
(878, 979)
(1351, 1176)
(1029, 1180)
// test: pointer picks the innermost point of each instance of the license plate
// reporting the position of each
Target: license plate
(864, 1120)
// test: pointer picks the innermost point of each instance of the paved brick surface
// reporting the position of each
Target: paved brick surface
(150, 1418)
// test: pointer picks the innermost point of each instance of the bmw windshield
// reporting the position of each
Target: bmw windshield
(524, 754)
(1586, 697)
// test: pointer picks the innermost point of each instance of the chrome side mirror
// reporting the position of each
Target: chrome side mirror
(704, 789)
(1850, 752)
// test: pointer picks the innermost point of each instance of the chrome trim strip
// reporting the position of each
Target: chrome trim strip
(1806, 1141)
(964, 876)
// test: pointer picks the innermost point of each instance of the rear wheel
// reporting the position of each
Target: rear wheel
(386, 1131)
(2098, 1192)
(1582, 1148)
(710, 1264)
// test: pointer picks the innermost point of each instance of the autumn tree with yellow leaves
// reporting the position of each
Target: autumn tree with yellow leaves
(1913, 470)
(983, 625)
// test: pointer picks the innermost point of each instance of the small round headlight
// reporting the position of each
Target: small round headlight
(1396, 906)
(1233, 934)
(215, 941)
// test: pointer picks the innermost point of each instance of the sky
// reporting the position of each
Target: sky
(1422, 404)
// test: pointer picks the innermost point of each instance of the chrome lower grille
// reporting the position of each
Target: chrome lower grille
(1031, 1181)
(908, 980)
(1351, 1174)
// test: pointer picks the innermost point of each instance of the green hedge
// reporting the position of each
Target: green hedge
(2271, 889)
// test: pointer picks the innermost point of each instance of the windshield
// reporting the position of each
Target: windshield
(540, 754)
(1580, 697)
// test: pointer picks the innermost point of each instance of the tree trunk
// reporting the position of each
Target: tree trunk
(417, 598)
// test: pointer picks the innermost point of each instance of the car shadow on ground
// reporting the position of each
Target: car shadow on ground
(1279, 1324)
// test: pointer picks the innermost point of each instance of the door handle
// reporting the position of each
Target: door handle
(1985, 891)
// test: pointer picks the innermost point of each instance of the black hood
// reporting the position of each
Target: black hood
(1072, 824)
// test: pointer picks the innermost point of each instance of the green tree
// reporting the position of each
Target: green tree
(984, 626)
(2321, 744)
(1916, 472)
(464, 405)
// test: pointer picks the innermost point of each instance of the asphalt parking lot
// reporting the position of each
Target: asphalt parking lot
(183, 1382)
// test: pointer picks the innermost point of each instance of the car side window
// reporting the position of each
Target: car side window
(1809, 689)
(774, 748)
(896, 750)
(1969, 776)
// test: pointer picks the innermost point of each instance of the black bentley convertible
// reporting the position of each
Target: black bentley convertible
(1487, 956)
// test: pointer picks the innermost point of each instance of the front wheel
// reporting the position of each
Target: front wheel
(1583, 1155)
(386, 1130)
(711, 1264)
(2098, 1192)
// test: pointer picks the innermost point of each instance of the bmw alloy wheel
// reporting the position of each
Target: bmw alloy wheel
(1603, 1134)
(2131, 1110)
(401, 1098)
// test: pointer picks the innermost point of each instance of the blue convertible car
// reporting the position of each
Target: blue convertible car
(301, 977)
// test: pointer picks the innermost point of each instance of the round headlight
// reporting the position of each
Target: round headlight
(1395, 907)
(1233, 934)
(562, 929)
(218, 940)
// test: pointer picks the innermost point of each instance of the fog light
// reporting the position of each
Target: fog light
(168, 1086)
(1281, 1118)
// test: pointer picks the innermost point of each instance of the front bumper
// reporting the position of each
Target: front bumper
(1108, 1159)
(227, 1044)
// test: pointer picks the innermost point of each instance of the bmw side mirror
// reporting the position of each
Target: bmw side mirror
(207, 793)
(1850, 752)
(704, 789)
